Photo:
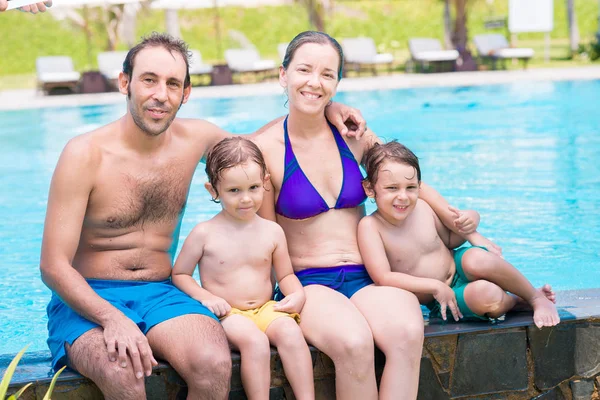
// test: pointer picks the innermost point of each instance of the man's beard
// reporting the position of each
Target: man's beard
(139, 120)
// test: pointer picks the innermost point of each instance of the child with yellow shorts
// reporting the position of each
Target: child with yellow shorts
(236, 252)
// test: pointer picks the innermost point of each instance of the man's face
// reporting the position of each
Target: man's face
(155, 89)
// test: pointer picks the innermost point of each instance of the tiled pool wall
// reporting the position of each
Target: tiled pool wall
(511, 359)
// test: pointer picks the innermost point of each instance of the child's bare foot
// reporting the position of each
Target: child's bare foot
(546, 291)
(544, 311)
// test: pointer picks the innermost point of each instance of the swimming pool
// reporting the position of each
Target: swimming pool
(525, 155)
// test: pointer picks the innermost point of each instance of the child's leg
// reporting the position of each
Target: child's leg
(480, 264)
(255, 351)
(485, 298)
(285, 334)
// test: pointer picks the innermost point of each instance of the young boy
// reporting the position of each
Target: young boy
(235, 252)
(404, 244)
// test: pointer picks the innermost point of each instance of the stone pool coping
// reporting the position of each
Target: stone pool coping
(31, 98)
(573, 305)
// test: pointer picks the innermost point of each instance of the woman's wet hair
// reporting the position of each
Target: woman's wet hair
(229, 153)
(313, 37)
(168, 42)
(391, 151)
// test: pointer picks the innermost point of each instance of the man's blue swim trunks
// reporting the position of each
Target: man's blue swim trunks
(346, 279)
(145, 303)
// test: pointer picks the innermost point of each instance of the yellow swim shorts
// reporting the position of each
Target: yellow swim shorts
(263, 315)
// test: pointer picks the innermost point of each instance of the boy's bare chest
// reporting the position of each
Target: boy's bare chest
(228, 249)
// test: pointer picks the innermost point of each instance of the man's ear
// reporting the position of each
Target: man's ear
(368, 188)
(186, 94)
(213, 193)
(123, 82)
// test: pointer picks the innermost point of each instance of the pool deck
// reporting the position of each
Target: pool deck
(30, 98)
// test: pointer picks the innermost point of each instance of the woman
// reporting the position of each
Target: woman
(318, 202)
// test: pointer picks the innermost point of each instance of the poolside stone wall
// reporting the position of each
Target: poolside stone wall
(488, 362)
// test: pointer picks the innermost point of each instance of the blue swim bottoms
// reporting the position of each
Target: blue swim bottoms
(346, 279)
(145, 303)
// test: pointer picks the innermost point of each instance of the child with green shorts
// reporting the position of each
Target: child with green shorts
(404, 244)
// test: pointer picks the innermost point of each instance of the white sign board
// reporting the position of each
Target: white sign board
(530, 16)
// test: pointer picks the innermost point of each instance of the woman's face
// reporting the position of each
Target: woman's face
(311, 78)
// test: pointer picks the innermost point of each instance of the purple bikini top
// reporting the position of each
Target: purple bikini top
(298, 198)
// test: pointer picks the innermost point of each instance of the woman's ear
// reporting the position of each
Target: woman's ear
(368, 188)
(213, 192)
(282, 77)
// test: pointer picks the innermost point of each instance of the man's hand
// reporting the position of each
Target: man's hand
(447, 299)
(32, 8)
(348, 121)
(292, 303)
(217, 306)
(123, 338)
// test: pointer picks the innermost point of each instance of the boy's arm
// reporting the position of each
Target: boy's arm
(373, 253)
(450, 239)
(374, 256)
(181, 275)
(289, 284)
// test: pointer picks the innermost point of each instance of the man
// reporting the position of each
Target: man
(32, 8)
(115, 205)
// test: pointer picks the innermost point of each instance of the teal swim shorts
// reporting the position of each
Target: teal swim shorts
(145, 303)
(458, 285)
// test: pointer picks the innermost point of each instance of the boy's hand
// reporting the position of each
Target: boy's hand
(348, 121)
(477, 239)
(447, 299)
(465, 221)
(292, 303)
(217, 306)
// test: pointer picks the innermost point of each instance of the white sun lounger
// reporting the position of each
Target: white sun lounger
(197, 67)
(362, 51)
(110, 64)
(56, 72)
(493, 47)
(427, 51)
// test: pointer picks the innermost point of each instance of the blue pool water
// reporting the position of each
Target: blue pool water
(525, 155)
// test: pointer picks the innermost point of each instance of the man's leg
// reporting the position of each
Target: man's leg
(88, 355)
(196, 347)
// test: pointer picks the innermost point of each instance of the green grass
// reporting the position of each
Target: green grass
(389, 22)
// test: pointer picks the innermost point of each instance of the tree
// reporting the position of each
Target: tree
(460, 37)
(316, 13)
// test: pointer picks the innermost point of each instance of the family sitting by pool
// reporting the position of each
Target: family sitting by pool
(346, 282)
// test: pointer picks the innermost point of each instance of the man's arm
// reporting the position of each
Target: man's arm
(67, 202)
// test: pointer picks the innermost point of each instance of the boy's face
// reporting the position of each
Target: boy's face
(241, 190)
(396, 190)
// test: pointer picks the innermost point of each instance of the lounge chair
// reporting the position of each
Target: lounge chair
(361, 51)
(281, 49)
(197, 67)
(110, 65)
(56, 72)
(426, 52)
(247, 60)
(493, 47)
